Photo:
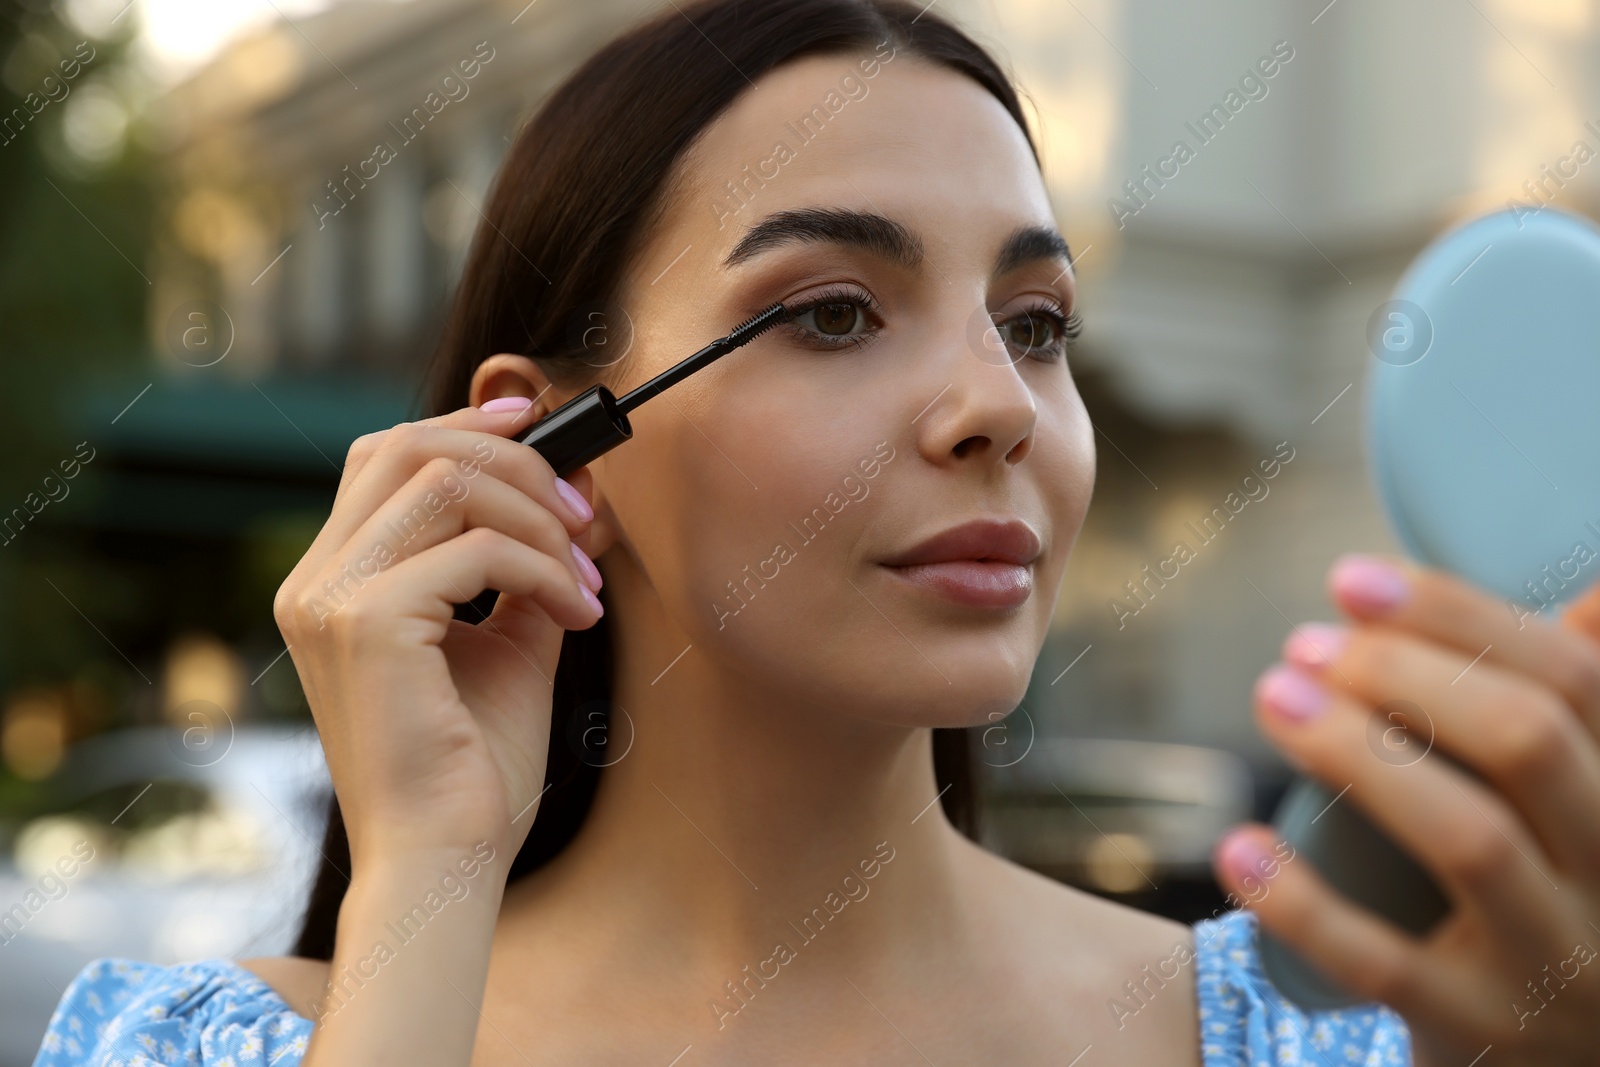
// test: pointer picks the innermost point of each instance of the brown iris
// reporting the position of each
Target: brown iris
(1031, 332)
(836, 319)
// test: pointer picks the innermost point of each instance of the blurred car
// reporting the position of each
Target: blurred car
(1134, 820)
(160, 847)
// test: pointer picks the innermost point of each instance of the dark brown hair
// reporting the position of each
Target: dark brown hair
(571, 207)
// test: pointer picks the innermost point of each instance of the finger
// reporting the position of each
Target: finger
(423, 589)
(1518, 734)
(1470, 838)
(433, 507)
(399, 454)
(1582, 615)
(518, 617)
(1367, 955)
(1449, 610)
(514, 614)
(582, 482)
(500, 422)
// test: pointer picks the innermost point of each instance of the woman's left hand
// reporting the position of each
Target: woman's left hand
(1515, 966)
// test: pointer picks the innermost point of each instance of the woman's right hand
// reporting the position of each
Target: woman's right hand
(436, 730)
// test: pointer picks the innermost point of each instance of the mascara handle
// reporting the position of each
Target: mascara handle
(589, 425)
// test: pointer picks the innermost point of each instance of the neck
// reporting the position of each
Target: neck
(729, 815)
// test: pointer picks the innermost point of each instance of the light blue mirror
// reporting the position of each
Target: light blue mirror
(1483, 405)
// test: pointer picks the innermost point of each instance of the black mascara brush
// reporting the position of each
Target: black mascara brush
(595, 421)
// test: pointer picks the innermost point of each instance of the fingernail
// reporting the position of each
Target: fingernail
(1315, 644)
(580, 507)
(594, 602)
(591, 573)
(506, 403)
(1291, 694)
(1369, 584)
(1242, 856)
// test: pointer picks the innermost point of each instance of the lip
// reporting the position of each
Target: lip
(981, 563)
(1001, 540)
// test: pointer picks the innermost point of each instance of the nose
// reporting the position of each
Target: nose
(983, 412)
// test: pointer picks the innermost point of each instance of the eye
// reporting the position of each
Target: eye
(1043, 332)
(835, 318)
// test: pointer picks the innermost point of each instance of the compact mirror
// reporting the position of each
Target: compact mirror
(1483, 436)
(1483, 406)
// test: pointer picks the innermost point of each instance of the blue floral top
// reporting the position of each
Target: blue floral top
(215, 1013)
(1246, 1022)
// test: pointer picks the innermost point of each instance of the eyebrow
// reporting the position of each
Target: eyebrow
(883, 237)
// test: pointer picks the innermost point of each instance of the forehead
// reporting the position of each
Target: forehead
(920, 143)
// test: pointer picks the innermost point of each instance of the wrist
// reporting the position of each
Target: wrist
(404, 921)
(408, 847)
(454, 871)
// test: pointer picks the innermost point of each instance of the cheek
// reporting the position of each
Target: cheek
(764, 568)
(726, 501)
(1065, 458)
(1078, 487)
(784, 518)
(1068, 445)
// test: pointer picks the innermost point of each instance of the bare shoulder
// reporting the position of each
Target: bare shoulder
(1127, 975)
(1116, 932)
(299, 981)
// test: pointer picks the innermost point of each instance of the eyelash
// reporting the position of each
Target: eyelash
(1068, 328)
(837, 295)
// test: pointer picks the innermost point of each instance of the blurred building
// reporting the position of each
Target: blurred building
(327, 191)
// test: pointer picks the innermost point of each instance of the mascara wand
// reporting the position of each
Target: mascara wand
(596, 421)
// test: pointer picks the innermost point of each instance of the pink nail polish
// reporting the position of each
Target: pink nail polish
(594, 602)
(1313, 645)
(1291, 694)
(591, 573)
(1242, 856)
(502, 404)
(1368, 584)
(580, 507)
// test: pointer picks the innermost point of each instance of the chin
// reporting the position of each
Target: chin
(926, 668)
(986, 697)
(987, 679)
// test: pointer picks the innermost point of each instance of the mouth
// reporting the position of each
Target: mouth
(986, 563)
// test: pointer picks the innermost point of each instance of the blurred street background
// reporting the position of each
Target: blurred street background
(194, 326)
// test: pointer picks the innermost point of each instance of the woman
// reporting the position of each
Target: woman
(816, 554)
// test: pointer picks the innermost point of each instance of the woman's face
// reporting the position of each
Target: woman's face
(762, 499)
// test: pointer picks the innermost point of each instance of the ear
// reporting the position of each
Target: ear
(506, 374)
